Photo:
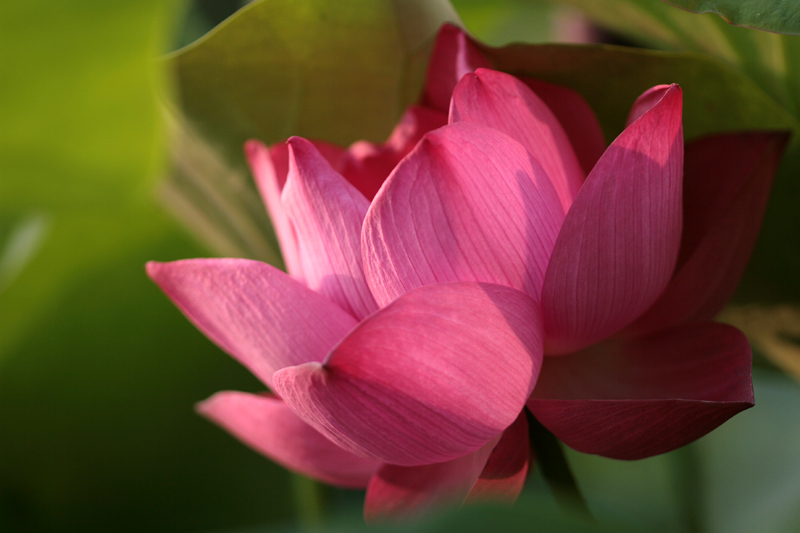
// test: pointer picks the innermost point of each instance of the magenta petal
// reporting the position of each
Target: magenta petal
(435, 375)
(727, 179)
(327, 213)
(453, 56)
(496, 472)
(619, 243)
(504, 475)
(409, 491)
(576, 117)
(264, 423)
(635, 398)
(269, 170)
(503, 102)
(645, 102)
(468, 204)
(260, 315)
(367, 165)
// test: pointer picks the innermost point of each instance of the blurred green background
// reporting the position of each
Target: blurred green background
(99, 372)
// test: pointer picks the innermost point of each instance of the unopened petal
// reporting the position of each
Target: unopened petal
(576, 117)
(264, 423)
(630, 399)
(619, 243)
(367, 165)
(435, 375)
(260, 315)
(454, 55)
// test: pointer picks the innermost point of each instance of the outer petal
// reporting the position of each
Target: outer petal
(453, 56)
(367, 165)
(435, 375)
(641, 397)
(617, 248)
(504, 475)
(258, 314)
(469, 203)
(576, 117)
(407, 491)
(496, 472)
(327, 213)
(264, 423)
(727, 179)
(503, 102)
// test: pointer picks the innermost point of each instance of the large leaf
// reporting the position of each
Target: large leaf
(781, 16)
(771, 61)
(339, 71)
(716, 96)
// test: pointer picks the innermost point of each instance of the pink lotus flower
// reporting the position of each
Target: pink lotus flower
(488, 275)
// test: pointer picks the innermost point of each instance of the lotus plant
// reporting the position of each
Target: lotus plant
(491, 261)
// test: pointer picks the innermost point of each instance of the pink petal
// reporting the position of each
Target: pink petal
(398, 492)
(269, 169)
(454, 55)
(327, 213)
(645, 102)
(265, 319)
(496, 472)
(469, 203)
(504, 475)
(366, 165)
(503, 102)
(635, 398)
(576, 117)
(617, 248)
(435, 375)
(727, 179)
(264, 423)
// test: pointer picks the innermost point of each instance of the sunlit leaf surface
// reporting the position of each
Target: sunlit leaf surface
(780, 16)
(339, 71)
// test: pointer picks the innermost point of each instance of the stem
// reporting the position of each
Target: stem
(555, 469)
(689, 487)
(308, 502)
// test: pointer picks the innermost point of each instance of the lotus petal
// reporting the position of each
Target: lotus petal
(454, 55)
(576, 117)
(634, 398)
(503, 102)
(327, 213)
(504, 475)
(260, 315)
(432, 377)
(619, 243)
(727, 179)
(398, 492)
(264, 423)
(367, 165)
(468, 204)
